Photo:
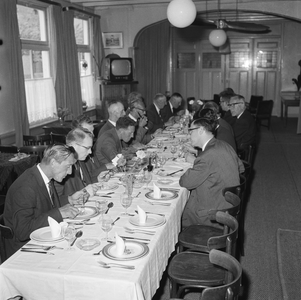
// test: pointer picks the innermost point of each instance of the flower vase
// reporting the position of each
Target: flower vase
(61, 121)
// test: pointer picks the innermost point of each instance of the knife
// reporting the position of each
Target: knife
(174, 172)
(42, 252)
(134, 238)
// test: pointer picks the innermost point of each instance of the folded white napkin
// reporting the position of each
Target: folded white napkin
(141, 214)
(55, 227)
(115, 159)
(157, 192)
(120, 245)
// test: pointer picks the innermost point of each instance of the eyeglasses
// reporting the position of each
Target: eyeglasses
(233, 104)
(140, 109)
(191, 129)
(88, 148)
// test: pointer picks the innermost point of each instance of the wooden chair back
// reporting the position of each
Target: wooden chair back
(58, 138)
(264, 112)
(231, 289)
(5, 233)
(8, 149)
(37, 150)
(36, 140)
(254, 102)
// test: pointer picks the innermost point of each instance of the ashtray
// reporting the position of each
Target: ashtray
(87, 244)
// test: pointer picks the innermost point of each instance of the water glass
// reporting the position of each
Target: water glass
(160, 144)
(69, 236)
(126, 202)
(106, 226)
(101, 206)
(173, 150)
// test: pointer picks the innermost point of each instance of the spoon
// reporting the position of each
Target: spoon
(113, 223)
(111, 204)
(77, 235)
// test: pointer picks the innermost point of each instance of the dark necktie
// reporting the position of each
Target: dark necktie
(53, 194)
(80, 172)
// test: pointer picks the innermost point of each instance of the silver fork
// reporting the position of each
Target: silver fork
(36, 247)
(112, 265)
(157, 203)
(133, 230)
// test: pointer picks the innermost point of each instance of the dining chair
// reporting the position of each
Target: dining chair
(36, 140)
(58, 138)
(37, 150)
(196, 237)
(230, 290)
(253, 104)
(6, 233)
(8, 149)
(264, 113)
(191, 269)
(248, 153)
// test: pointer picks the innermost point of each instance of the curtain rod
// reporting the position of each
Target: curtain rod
(66, 8)
(51, 2)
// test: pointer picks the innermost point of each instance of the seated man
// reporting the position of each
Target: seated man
(32, 197)
(224, 101)
(244, 127)
(108, 145)
(115, 110)
(155, 120)
(215, 168)
(170, 112)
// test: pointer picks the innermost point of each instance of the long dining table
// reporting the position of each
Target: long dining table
(77, 274)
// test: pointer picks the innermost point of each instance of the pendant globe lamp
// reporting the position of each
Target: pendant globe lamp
(218, 37)
(181, 13)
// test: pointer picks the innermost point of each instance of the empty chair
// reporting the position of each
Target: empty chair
(37, 150)
(248, 154)
(253, 104)
(196, 237)
(8, 149)
(5, 233)
(58, 138)
(36, 140)
(194, 269)
(264, 113)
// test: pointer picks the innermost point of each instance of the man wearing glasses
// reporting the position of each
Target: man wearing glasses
(244, 127)
(217, 166)
(32, 197)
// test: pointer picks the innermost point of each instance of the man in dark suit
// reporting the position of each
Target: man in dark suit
(244, 127)
(108, 145)
(224, 101)
(115, 110)
(170, 111)
(155, 120)
(32, 197)
(215, 168)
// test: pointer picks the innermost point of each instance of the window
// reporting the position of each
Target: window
(82, 37)
(40, 94)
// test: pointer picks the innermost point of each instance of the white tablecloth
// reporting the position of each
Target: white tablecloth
(77, 275)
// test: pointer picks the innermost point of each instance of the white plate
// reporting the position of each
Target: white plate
(165, 195)
(152, 220)
(134, 250)
(90, 212)
(106, 187)
(44, 235)
(165, 181)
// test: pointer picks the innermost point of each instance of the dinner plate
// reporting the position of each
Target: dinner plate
(87, 244)
(134, 250)
(90, 212)
(152, 220)
(105, 186)
(165, 181)
(44, 235)
(165, 195)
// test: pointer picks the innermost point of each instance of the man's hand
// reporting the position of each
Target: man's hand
(103, 176)
(68, 211)
(158, 131)
(77, 198)
(143, 122)
(181, 112)
(190, 149)
(121, 162)
(91, 189)
(189, 158)
(109, 166)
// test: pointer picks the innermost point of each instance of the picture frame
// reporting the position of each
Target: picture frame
(112, 40)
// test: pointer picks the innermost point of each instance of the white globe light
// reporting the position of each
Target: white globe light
(217, 37)
(181, 13)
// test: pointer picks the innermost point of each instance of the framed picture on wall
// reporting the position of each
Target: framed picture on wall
(112, 40)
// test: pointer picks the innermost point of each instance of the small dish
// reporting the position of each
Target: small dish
(165, 181)
(87, 244)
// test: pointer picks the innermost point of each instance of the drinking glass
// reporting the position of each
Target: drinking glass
(126, 202)
(106, 226)
(160, 144)
(101, 206)
(173, 150)
(147, 177)
(129, 184)
(69, 236)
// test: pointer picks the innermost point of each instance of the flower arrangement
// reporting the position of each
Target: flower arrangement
(62, 113)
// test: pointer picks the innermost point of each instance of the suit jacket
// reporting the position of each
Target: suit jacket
(155, 121)
(107, 146)
(107, 126)
(227, 116)
(215, 168)
(166, 112)
(27, 207)
(225, 133)
(244, 130)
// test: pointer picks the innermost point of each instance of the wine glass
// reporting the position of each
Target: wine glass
(160, 144)
(106, 226)
(69, 236)
(126, 202)
(147, 177)
(101, 206)
(173, 150)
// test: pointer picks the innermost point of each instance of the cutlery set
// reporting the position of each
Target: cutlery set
(113, 265)
(157, 203)
(131, 230)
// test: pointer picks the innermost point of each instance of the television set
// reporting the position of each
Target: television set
(118, 69)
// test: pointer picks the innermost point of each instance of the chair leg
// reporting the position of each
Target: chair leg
(173, 289)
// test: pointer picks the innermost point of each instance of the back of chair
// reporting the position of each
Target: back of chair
(254, 102)
(8, 149)
(231, 289)
(37, 150)
(5, 233)
(237, 189)
(36, 140)
(265, 108)
(58, 138)
(228, 239)
(247, 171)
